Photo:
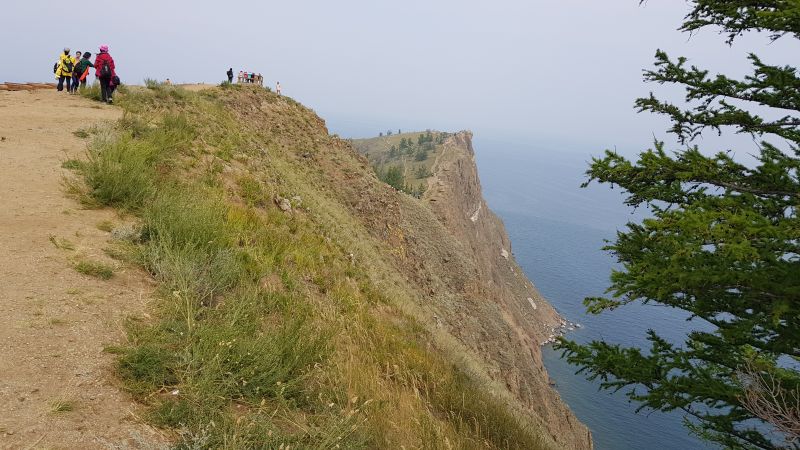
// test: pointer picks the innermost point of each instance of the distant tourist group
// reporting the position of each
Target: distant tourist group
(72, 72)
(251, 78)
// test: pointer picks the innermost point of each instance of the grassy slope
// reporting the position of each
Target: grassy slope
(269, 331)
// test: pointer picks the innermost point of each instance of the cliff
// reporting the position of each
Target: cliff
(306, 303)
(463, 261)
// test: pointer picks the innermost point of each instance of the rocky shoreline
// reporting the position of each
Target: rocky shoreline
(564, 327)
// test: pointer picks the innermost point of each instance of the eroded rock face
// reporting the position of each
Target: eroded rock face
(455, 252)
(492, 307)
(453, 258)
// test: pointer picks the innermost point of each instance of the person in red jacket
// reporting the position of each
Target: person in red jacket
(104, 70)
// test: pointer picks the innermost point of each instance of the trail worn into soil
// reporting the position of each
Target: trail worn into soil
(57, 389)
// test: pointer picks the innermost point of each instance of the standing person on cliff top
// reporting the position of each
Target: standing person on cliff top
(64, 69)
(104, 70)
(230, 75)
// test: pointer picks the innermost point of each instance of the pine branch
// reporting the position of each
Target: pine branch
(771, 86)
(735, 17)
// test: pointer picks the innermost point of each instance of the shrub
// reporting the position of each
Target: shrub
(151, 83)
(121, 168)
(120, 172)
(146, 368)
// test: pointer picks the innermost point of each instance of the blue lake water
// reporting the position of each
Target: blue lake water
(557, 231)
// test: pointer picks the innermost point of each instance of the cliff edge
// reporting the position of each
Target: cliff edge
(293, 298)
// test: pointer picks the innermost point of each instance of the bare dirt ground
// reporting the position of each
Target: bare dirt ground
(57, 389)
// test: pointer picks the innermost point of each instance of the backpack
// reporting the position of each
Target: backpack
(105, 71)
(67, 66)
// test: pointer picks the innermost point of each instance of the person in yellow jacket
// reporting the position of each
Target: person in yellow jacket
(66, 64)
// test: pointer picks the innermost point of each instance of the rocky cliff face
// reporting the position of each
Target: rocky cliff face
(455, 195)
(500, 314)
(444, 258)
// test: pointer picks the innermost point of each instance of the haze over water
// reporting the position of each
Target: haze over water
(557, 231)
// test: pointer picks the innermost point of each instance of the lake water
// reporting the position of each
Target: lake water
(557, 230)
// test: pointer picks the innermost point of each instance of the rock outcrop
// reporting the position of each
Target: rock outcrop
(457, 252)
(503, 317)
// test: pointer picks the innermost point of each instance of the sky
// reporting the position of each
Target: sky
(562, 74)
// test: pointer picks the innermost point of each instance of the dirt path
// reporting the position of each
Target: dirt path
(56, 387)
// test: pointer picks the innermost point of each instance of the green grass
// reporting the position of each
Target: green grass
(325, 361)
(251, 191)
(61, 243)
(91, 91)
(151, 83)
(122, 167)
(122, 251)
(94, 269)
(105, 225)
(72, 164)
(62, 405)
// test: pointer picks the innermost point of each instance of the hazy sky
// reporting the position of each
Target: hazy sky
(562, 72)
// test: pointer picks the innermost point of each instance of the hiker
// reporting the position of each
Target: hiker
(167, 82)
(81, 71)
(230, 75)
(64, 70)
(104, 70)
(278, 88)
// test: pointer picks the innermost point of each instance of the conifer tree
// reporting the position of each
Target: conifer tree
(393, 177)
(722, 244)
